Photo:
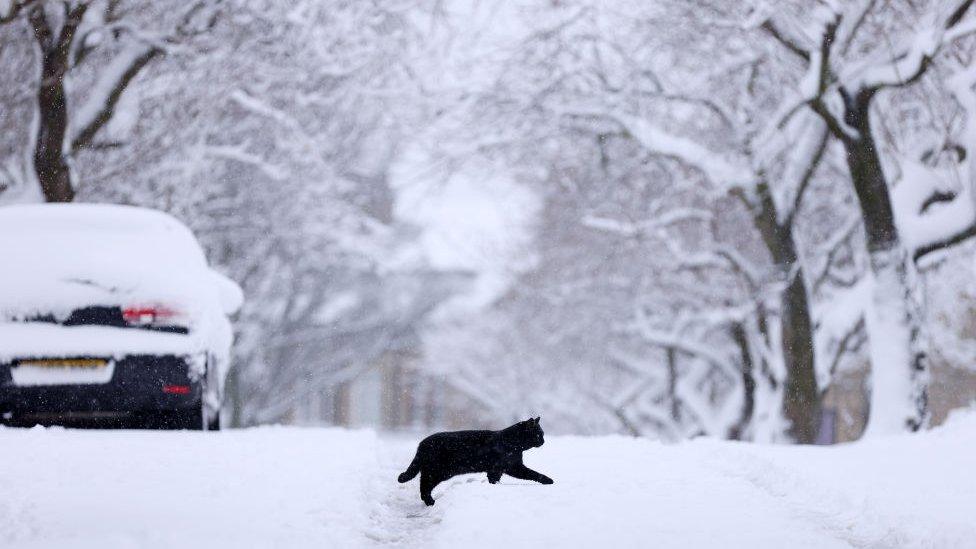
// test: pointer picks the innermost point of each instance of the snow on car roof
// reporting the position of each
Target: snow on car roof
(58, 257)
(63, 225)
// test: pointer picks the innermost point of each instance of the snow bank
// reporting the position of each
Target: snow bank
(276, 487)
(626, 493)
(907, 491)
(267, 487)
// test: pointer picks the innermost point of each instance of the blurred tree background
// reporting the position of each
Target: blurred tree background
(748, 220)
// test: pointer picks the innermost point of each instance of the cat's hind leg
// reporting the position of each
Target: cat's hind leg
(427, 483)
(494, 476)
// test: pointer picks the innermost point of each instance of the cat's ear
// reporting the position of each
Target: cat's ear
(536, 420)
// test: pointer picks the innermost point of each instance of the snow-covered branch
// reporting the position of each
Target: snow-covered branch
(688, 151)
(913, 59)
(239, 153)
(657, 140)
(676, 341)
(810, 157)
(819, 78)
(851, 23)
(787, 42)
(717, 256)
(630, 229)
(851, 342)
(262, 108)
(104, 97)
(830, 250)
(10, 10)
(934, 207)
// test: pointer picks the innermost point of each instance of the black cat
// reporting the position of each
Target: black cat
(444, 455)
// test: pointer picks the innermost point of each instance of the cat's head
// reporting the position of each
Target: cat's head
(530, 433)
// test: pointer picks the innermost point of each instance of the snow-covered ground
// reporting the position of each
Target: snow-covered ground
(289, 487)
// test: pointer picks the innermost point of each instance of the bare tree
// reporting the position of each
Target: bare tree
(74, 36)
(841, 87)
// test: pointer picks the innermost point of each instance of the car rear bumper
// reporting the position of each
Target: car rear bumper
(139, 383)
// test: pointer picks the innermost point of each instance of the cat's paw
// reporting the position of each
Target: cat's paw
(428, 502)
(546, 480)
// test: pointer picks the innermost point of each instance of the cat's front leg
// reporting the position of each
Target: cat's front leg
(520, 471)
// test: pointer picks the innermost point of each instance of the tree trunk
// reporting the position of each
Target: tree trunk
(674, 406)
(801, 396)
(899, 367)
(50, 160)
(741, 430)
(234, 399)
(50, 147)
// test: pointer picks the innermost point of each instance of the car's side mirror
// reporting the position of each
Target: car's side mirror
(229, 293)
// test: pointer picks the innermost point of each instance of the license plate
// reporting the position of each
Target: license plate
(62, 371)
(65, 363)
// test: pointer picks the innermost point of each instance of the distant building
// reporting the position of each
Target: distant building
(393, 394)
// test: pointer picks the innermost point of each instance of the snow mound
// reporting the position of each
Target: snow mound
(904, 491)
(268, 487)
(284, 487)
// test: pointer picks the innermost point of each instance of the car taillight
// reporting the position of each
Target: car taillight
(151, 315)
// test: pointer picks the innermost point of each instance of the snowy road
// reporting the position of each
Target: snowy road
(283, 487)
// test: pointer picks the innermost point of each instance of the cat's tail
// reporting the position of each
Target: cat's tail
(411, 471)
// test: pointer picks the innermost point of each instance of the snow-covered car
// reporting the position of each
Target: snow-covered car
(110, 314)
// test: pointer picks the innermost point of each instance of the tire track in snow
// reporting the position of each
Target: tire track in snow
(851, 520)
(398, 518)
(16, 520)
